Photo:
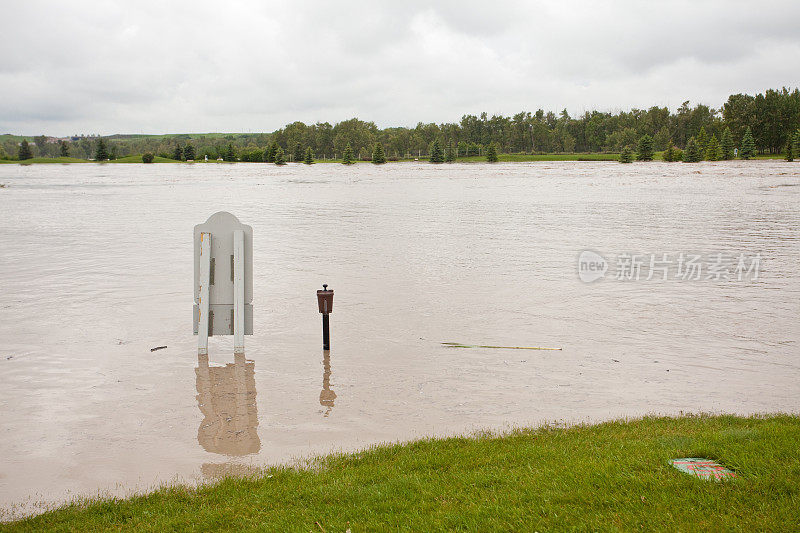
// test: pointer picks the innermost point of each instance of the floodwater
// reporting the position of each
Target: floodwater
(96, 269)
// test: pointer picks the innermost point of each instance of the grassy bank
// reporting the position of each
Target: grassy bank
(473, 159)
(544, 157)
(504, 158)
(138, 159)
(46, 160)
(612, 476)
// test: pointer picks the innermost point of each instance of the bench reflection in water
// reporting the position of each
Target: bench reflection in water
(226, 396)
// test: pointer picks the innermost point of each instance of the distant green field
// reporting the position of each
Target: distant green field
(183, 136)
(16, 138)
(614, 476)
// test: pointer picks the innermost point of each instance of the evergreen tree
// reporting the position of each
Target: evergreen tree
(280, 157)
(437, 154)
(748, 145)
(669, 154)
(230, 154)
(269, 153)
(309, 159)
(450, 155)
(347, 158)
(796, 143)
(64, 148)
(189, 153)
(727, 144)
(101, 153)
(626, 156)
(702, 140)
(177, 154)
(491, 154)
(297, 153)
(113, 155)
(147, 157)
(25, 150)
(377, 154)
(692, 152)
(790, 150)
(645, 150)
(713, 151)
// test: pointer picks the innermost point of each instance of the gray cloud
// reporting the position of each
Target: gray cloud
(250, 66)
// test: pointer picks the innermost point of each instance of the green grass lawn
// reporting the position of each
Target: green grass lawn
(771, 156)
(138, 159)
(543, 157)
(505, 158)
(126, 159)
(611, 476)
(46, 160)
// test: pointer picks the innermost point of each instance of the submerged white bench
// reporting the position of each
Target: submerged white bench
(223, 280)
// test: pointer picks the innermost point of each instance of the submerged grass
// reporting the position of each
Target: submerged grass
(611, 476)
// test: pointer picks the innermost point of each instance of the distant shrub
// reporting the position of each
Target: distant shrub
(645, 149)
(25, 151)
(147, 158)
(748, 145)
(669, 153)
(101, 152)
(280, 157)
(713, 149)
(491, 154)
(450, 153)
(229, 154)
(692, 153)
(255, 156)
(727, 145)
(269, 153)
(347, 158)
(378, 157)
(437, 152)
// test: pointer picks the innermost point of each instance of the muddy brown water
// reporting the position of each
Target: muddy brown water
(96, 269)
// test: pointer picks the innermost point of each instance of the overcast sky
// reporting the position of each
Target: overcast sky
(196, 66)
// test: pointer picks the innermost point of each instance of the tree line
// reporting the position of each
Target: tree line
(705, 148)
(772, 117)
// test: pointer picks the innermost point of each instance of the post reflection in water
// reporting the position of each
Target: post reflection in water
(326, 395)
(226, 396)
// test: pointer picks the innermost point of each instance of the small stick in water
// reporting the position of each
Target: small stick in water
(157, 348)
(460, 345)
